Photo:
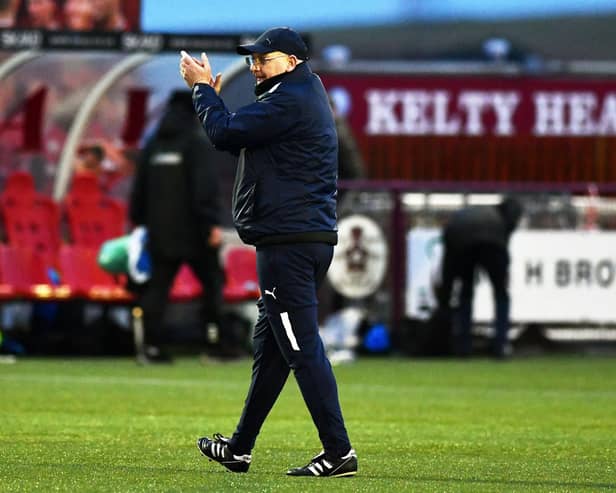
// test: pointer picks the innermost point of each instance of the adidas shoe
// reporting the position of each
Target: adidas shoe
(321, 466)
(218, 450)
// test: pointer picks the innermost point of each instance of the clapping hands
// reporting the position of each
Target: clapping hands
(195, 71)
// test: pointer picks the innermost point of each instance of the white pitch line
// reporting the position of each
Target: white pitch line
(357, 387)
(156, 382)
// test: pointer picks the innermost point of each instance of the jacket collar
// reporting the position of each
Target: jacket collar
(301, 71)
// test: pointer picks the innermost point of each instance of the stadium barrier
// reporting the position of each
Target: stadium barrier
(563, 273)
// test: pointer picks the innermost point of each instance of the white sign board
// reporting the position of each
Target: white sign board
(423, 261)
(556, 277)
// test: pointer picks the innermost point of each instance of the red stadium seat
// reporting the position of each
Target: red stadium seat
(241, 283)
(11, 286)
(27, 274)
(81, 273)
(91, 224)
(85, 186)
(32, 226)
(186, 286)
(19, 186)
(33, 223)
(93, 218)
(7, 290)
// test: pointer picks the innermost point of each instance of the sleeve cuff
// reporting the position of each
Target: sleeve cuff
(202, 87)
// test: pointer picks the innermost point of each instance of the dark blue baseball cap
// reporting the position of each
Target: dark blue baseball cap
(282, 39)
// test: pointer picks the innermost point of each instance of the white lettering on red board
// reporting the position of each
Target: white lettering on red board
(574, 113)
(478, 113)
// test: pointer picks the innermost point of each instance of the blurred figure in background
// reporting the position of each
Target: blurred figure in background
(117, 166)
(8, 13)
(175, 196)
(90, 160)
(478, 237)
(350, 161)
(121, 182)
(78, 15)
(41, 14)
(108, 16)
(109, 163)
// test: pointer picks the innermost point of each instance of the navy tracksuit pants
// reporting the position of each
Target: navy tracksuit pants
(287, 337)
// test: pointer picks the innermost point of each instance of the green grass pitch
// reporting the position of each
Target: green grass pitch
(530, 424)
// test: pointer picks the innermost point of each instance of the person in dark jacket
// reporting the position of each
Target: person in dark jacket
(478, 237)
(284, 203)
(175, 196)
(350, 161)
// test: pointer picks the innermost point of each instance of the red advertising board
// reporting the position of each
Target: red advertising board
(481, 127)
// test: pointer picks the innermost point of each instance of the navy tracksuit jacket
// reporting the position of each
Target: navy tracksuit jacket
(284, 202)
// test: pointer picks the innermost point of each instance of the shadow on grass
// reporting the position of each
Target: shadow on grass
(519, 482)
(209, 467)
(216, 471)
(103, 467)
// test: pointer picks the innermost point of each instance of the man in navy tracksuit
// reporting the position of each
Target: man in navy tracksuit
(284, 202)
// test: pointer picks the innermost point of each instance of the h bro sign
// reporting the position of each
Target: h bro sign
(556, 277)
